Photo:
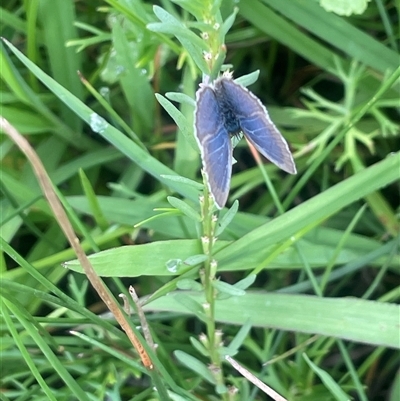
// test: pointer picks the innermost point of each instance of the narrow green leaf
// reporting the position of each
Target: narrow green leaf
(394, 393)
(199, 347)
(191, 305)
(352, 319)
(112, 351)
(195, 365)
(248, 79)
(194, 7)
(135, 85)
(189, 285)
(245, 283)
(195, 260)
(59, 16)
(191, 43)
(187, 160)
(227, 289)
(239, 338)
(328, 381)
(184, 180)
(16, 22)
(180, 120)
(104, 102)
(133, 260)
(94, 204)
(166, 213)
(180, 31)
(227, 218)
(227, 25)
(184, 208)
(181, 98)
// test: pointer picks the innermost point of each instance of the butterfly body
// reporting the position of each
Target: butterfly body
(230, 119)
(227, 108)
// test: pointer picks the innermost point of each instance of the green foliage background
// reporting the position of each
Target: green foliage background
(307, 266)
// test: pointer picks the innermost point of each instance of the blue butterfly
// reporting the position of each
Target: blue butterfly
(225, 109)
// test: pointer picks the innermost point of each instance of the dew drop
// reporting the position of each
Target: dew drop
(104, 91)
(173, 265)
(97, 124)
(119, 69)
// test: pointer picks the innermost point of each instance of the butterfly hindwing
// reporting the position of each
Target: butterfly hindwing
(256, 124)
(215, 144)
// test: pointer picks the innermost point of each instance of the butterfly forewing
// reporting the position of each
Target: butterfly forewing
(256, 124)
(215, 144)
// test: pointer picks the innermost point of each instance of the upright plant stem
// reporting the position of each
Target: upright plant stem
(208, 277)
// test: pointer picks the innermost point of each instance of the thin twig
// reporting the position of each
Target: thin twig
(62, 219)
(257, 382)
(143, 322)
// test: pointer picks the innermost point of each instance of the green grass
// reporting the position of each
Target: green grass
(299, 280)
